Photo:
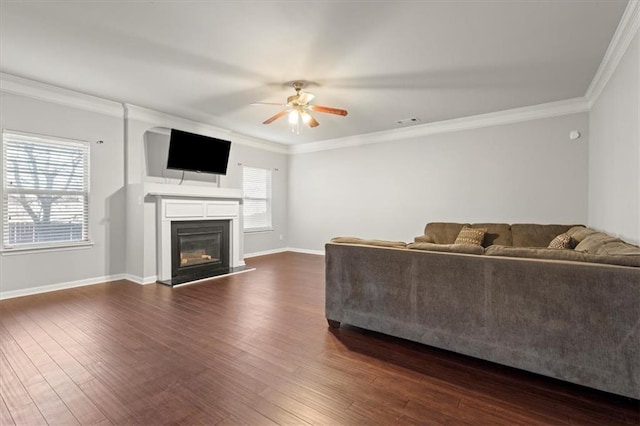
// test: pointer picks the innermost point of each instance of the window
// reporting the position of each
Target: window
(45, 195)
(257, 198)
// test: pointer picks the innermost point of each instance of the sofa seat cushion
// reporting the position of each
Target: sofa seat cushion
(556, 254)
(361, 241)
(424, 239)
(592, 242)
(535, 235)
(618, 248)
(451, 248)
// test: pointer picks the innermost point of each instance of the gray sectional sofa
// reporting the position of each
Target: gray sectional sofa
(571, 314)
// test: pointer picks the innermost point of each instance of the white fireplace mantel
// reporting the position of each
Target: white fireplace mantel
(191, 191)
(181, 203)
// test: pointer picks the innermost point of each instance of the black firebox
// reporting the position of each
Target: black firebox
(199, 249)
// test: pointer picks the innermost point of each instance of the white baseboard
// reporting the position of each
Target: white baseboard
(61, 286)
(266, 252)
(282, 250)
(141, 280)
(306, 251)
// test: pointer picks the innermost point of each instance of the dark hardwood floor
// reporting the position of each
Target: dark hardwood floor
(253, 349)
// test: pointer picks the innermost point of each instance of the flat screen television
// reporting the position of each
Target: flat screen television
(197, 153)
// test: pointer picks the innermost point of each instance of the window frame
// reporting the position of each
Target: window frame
(268, 199)
(6, 190)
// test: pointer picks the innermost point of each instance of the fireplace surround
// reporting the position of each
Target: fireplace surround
(203, 208)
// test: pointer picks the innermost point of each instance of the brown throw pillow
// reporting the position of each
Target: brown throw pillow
(471, 236)
(562, 241)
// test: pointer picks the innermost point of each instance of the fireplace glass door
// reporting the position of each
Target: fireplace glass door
(199, 249)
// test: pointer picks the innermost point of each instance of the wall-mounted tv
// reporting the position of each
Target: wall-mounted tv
(197, 153)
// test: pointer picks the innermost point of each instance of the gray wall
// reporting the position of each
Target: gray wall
(27, 270)
(523, 172)
(614, 151)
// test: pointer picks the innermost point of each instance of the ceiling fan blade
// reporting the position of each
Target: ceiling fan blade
(309, 120)
(328, 110)
(268, 103)
(305, 98)
(275, 117)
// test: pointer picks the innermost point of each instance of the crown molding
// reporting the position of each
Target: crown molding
(21, 86)
(535, 112)
(259, 143)
(162, 119)
(622, 38)
(45, 92)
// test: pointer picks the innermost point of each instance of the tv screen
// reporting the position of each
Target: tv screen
(197, 153)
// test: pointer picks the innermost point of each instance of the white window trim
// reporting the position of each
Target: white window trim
(46, 248)
(268, 199)
(258, 230)
(43, 247)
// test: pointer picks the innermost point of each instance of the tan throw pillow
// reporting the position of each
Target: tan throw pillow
(471, 236)
(562, 241)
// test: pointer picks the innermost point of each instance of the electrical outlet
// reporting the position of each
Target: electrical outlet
(281, 237)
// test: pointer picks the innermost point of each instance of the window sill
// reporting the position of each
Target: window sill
(258, 230)
(45, 249)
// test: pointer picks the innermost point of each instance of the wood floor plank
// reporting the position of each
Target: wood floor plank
(5, 416)
(253, 349)
(22, 366)
(53, 409)
(18, 401)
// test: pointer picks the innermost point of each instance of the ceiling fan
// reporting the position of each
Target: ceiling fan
(298, 107)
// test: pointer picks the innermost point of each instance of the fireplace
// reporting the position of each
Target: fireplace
(205, 224)
(199, 249)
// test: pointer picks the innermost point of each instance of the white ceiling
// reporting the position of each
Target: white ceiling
(382, 60)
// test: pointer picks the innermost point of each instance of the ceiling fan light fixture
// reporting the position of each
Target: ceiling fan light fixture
(294, 115)
(306, 117)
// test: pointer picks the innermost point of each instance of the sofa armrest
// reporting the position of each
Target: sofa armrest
(368, 242)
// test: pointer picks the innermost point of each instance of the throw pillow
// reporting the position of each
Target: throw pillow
(562, 241)
(471, 236)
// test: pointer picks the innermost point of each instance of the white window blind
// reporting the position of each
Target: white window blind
(257, 198)
(45, 191)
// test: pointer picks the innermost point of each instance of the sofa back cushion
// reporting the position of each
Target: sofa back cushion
(497, 233)
(579, 232)
(592, 242)
(535, 235)
(441, 232)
